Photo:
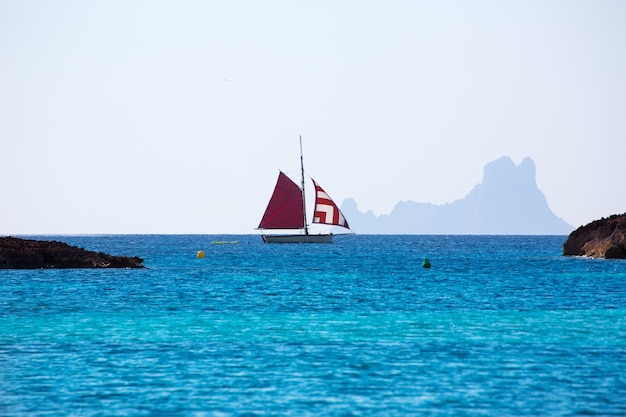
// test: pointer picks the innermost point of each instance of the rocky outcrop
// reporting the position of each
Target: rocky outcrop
(507, 202)
(604, 238)
(18, 253)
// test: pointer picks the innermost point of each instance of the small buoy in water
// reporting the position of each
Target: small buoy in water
(200, 254)
(425, 263)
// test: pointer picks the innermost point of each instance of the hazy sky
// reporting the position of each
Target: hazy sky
(174, 117)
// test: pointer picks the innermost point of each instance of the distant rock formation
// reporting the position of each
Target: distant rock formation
(604, 238)
(506, 202)
(35, 254)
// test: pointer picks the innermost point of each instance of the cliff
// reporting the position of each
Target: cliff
(604, 238)
(35, 254)
(506, 202)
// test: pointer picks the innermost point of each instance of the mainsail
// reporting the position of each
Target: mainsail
(286, 207)
(326, 211)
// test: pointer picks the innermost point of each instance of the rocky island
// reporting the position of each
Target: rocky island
(506, 202)
(604, 238)
(18, 253)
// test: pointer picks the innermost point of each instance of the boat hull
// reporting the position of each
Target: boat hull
(297, 238)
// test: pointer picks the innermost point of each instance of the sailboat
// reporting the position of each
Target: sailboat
(286, 210)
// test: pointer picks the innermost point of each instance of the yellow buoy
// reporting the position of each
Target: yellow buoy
(200, 254)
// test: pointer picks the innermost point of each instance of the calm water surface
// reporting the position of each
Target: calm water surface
(500, 325)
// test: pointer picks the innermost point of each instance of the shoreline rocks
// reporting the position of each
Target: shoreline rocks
(604, 238)
(16, 253)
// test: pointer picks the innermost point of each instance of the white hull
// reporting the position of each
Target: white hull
(297, 238)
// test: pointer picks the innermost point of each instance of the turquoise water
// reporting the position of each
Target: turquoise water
(500, 325)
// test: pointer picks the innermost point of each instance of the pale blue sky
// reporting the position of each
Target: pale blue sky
(174, 117)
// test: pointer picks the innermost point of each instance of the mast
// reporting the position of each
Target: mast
(306, 226)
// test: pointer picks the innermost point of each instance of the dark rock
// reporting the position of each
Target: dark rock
(18, 253)
(604, 238)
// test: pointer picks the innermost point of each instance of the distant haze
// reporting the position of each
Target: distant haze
(506, 202)
(175, 116)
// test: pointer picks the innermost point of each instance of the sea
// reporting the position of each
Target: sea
(498, 326)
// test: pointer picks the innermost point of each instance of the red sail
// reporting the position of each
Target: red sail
(326, 211)
(285, 209)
